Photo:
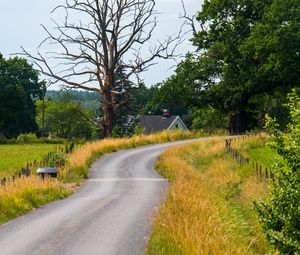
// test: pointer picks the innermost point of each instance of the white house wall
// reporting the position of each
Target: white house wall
(177, 124)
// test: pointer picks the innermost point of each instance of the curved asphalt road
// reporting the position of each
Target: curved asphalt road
(110, 214)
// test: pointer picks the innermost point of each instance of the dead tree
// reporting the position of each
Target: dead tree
(97, 38)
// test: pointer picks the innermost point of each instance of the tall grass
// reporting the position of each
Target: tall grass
(25, 194)
(80, 160)
(209, 204)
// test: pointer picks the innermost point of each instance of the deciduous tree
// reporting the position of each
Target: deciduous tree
(98, 38)
(19, 85)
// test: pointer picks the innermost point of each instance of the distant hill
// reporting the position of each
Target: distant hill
(88, 99)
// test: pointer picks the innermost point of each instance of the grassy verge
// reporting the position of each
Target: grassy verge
(14, 157)
(209, 209)
(25, 194)
(81, 159)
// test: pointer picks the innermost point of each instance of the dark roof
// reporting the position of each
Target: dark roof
(154, 123)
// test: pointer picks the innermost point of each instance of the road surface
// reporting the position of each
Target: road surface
(109, 215)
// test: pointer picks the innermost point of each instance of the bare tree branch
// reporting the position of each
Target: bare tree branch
(96, 38)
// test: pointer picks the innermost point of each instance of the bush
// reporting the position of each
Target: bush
(56, 159)
(51, 140)
(139, 130)
(209, 119)
(280, 214)
(27, 138)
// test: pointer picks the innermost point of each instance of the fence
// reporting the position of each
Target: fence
(30, 168)
(262, 173)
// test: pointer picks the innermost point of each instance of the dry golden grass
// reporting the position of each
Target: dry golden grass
(25, 194)
(20, 184)
(81, 158)
(208, 210)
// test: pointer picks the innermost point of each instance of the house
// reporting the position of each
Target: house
(156, 123)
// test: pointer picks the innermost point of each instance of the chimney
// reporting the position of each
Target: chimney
(166, 113)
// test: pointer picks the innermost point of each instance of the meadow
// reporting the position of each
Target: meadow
(209, 207)
(14, 157)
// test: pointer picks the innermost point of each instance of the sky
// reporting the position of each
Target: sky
(20, 25)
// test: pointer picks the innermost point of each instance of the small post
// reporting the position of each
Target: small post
(267, 174)
(260, 173)
(272, 175)
(256, 169)
(58, 168)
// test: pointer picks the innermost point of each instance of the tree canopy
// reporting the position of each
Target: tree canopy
(19, 85)
(247, 53)
(67, 119)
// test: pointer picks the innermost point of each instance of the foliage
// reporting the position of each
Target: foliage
(125, 127)
(139, 130)
(280, 214)
(57, 158)
(274, 44)
(27, 138)
(18, 86)
(246, 61)
(89, 100)
(66, 119)
(261, 57)
(209, 119)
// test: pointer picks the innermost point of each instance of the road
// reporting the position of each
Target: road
(109, 215)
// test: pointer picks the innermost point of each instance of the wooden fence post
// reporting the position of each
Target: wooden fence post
(267, 174)
(260, 173)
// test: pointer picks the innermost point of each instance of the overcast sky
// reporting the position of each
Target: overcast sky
(20, 26)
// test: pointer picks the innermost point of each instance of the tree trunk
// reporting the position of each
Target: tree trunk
(238, 123)
(109, 114)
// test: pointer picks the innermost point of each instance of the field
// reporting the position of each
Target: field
(14, 157)
(209, 209)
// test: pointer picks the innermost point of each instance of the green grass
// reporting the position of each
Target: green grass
(14, 157)
(264, 156)
(257, 150)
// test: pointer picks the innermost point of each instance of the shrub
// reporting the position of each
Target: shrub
(280, 214)
(51, 140)
(27, 138)
(139, 130)
(56, 159)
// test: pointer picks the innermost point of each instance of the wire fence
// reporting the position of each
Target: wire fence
(262, 173)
